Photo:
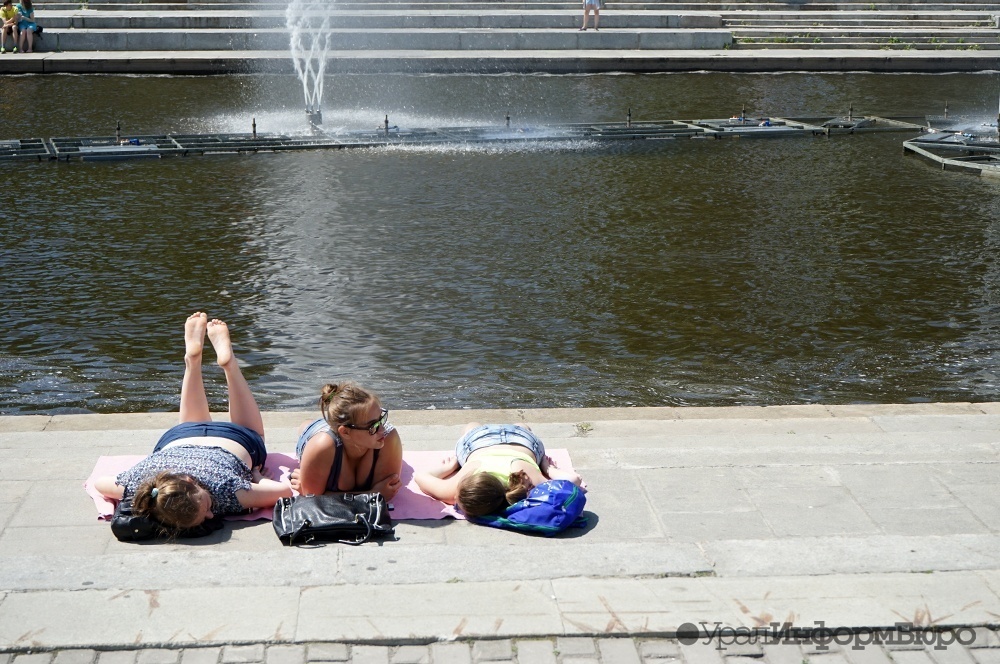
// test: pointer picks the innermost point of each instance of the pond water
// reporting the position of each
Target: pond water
(804, 270)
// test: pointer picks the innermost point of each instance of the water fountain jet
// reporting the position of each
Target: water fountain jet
(308, 24)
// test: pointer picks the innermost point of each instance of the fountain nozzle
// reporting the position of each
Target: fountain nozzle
(315, 117)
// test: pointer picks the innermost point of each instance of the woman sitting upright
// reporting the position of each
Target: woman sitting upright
(201, 468)
(494, 466)
(351, 448)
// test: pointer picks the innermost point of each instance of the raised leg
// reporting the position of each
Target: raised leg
(243, 408)
(194, 403)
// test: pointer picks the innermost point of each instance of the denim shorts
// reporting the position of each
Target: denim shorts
(251, 441)
(487, 435)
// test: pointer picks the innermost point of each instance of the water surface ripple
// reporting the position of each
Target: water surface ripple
(687, 272)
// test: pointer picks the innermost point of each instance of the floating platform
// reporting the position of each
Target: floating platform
(121, 146)
(958, 146)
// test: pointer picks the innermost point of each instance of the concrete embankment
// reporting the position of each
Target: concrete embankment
(489, 37)
(488, 62)
(855, 516)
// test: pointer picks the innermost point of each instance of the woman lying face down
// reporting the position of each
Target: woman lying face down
(352, 447)
(494, 465)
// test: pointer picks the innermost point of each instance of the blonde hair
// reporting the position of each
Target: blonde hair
(341, 403)
(171, 499)
(480, 494)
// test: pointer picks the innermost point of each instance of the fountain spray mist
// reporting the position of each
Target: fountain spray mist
(308, 24)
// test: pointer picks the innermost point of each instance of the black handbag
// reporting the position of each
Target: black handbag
(130, 527)
(349, 518)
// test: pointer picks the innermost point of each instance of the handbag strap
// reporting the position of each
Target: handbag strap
(363, 538)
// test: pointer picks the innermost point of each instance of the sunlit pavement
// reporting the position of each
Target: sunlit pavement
(820, 517)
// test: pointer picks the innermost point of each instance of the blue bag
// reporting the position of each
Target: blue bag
(549, 508)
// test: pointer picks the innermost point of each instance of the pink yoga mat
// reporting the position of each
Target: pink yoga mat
(409, 503)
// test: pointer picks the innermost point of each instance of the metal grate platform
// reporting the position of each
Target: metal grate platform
(119, 147)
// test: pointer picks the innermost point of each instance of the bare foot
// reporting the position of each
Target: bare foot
(194, 334)
(218, 334)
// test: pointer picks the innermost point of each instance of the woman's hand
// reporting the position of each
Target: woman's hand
(388, 487)
(295, 479)
(448, 466)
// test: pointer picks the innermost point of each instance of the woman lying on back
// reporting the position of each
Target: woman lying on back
(351, 448)
(494, 465)
(201, 468)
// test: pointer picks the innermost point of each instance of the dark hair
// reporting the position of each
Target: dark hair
(175, 503)
(26, 4)
(481, 493)
(341, 403)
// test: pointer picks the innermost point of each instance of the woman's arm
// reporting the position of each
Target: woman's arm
(390, 463)
(109, 488)
(442, 482)
(554, 472)
(263, 494)
(317, 464)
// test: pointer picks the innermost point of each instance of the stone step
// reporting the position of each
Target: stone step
(130, 5)
(870, 35)
(152, 20)
(857, 45)
(395, 39)
(889, 22)
(879, 40)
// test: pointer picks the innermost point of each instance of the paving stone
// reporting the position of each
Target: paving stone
(575, 645)
(450, 653)
(954, 653)
(746, 650)
(411, 655)
(285, 654)
(784, 653)
(910, 657)
(75, 656)
(868, 654)
(117, 657)
(6, 657)
(662, 649)
(327, 652)
(619, 651)
(158, 656)
(582, 659)
(985, 638)
(986, 655)
(819, 646)
(200, 655)
(535, 651)
(35, 658)
(242, 654)
(369, 655)
(491, 651)
(742, 659)
(700, 652)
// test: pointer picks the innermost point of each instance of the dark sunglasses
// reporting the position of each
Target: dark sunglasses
(373, 426)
